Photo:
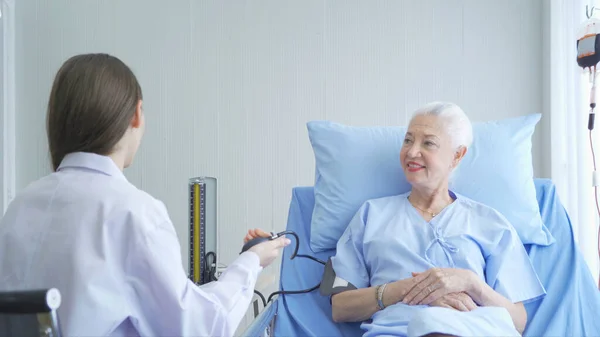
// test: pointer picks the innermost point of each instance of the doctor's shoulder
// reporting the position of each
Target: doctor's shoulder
(35, 191)
(144, 208)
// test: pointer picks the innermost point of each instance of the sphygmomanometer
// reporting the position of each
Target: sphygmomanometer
(295, 254)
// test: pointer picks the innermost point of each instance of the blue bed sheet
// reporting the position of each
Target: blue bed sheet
(570, 308)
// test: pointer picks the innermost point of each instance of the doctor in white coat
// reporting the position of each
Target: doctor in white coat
(109, 247)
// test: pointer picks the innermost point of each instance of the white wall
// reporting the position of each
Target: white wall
(229, 85)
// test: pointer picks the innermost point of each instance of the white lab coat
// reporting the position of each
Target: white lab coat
(113, 253)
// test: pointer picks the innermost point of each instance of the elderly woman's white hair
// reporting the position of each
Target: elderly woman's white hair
(457, 124)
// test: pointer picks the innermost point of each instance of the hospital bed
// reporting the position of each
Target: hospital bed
(570, 308)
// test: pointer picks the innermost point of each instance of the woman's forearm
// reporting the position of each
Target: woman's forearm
(354, 305)
(360, 304)
(484, 295)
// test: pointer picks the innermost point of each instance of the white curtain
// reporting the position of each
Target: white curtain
(570, 153)
(7, 109)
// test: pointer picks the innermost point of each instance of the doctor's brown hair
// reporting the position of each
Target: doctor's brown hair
(92, 103)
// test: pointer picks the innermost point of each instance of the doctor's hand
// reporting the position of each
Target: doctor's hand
(458, 301)
(255, 233)
(437, 283)
(267, 251)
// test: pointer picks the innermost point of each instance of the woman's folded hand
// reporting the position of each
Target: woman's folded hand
(459, 301)
(438, 282)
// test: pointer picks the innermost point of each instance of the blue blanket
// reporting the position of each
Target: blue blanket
(570, 307)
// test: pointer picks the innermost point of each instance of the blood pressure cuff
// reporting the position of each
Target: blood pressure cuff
(331, 284)
(588, 50)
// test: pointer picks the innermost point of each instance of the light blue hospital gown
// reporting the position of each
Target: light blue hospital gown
(388, 239)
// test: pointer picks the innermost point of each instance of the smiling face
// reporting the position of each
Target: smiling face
(428, 155)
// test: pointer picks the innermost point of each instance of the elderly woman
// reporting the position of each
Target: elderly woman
(430, 261)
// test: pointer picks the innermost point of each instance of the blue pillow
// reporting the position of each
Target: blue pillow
(355, 164)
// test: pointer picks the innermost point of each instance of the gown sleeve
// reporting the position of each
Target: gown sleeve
(350, 269)
(508, 269)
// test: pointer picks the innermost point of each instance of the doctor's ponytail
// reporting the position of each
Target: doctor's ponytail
(91, 105)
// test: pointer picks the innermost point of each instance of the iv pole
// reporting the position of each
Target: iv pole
(588, 56)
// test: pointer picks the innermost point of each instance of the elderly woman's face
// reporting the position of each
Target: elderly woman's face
(427, 154)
